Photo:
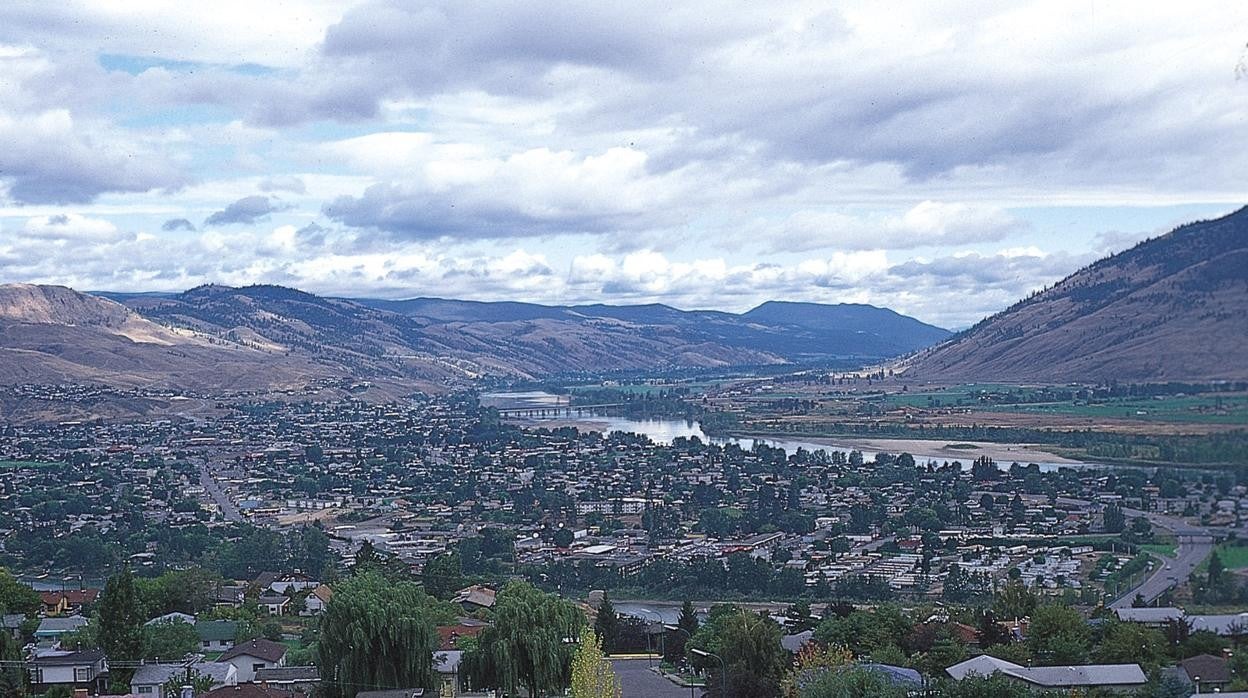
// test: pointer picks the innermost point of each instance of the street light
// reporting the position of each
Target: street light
(723, 668)
(649, 650)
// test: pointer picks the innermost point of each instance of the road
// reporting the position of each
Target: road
(228, 510)
(1194, 545)
(636, 679)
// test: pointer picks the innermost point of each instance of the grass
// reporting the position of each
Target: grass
(26, 464)
(1235, 557)
(1167, 549)
(1210, 408)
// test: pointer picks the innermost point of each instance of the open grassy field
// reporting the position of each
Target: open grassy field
(1235, 557)
(25, 464)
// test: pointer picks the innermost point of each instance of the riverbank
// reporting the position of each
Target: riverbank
(941, 449)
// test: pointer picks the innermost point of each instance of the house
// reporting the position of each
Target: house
(216, 635)
(87, 670)
(1152, 617)
(296, 582)
(274, 604)
(51, 629)
(248, 690)
(174, 617)
(149, 679)
(1207, 672)
(1107, 676)
(447, 664)
(254, 655)
(57, 603)
(229, 596)
(393, 693)
(449, 635)
(317, 600)
(11, 625)
(474, 597)
(300, 679)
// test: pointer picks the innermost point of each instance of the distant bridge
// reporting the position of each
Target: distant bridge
(555, 411)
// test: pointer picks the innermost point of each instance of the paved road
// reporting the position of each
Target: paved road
(638, 681)
(1194, 545)
(228, 510)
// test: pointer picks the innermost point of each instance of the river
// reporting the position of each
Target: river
(663, 431)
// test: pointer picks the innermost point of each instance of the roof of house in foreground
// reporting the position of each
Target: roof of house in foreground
(1052, 676)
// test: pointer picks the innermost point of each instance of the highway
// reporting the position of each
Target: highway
(1194, 545)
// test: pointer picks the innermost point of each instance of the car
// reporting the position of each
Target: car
(1169, 567)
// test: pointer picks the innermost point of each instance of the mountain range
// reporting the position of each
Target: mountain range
(271, 336)
(1173, 308)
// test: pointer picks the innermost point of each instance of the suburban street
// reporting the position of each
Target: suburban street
(636, 679)
(228, 510)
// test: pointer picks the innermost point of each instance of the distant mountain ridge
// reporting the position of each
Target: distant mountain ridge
(300, 334)
(1173, 308)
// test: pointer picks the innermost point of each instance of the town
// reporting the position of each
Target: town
(259, 512)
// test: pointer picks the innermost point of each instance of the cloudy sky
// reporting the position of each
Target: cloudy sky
(942, 159)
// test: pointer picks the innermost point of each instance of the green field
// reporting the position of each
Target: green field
(1235, 557)
(26, 464)
(1209, 408)
(1167, 549)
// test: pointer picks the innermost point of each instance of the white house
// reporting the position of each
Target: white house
(317, 600)
(254, 655)
(74, 669)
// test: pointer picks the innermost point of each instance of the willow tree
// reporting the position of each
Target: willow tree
(378, 634)
(592, 676)
(530, 644)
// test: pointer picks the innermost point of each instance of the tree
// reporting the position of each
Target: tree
(378, 632)
(16, 597)
(443, 576)
(1115, 520)
(592, 676)
(201, 683)
(688, 620)
(1014, 600)
(562, 537)
(529, 643)
(1216, 568)
(1058, 635)
(811, 663)
(850, 682)
(121, 619)
(749, 645)
(173, 640)
(1127, 643)
(607, 625)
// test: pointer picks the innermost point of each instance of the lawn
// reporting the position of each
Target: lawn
(26, 464)
(1235, 557)
(1167, 549)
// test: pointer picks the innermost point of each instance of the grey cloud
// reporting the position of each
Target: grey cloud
(248, 209)
(177, 224)
(58, 219)
(422, 215)
(290, 184)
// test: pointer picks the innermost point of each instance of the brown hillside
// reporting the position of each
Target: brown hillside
(1174, 308)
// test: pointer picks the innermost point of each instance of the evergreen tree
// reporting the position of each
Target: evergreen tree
(121, 621)
(607, 625)
(1216, 568)
(688, 620)
(443, 575)
(592, 676)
